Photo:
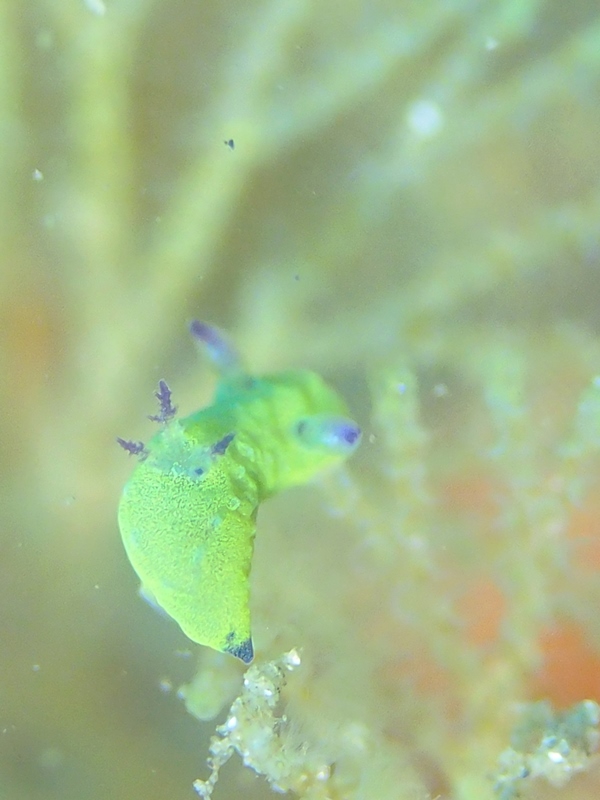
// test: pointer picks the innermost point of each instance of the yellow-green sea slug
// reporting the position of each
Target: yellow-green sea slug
(188, 512)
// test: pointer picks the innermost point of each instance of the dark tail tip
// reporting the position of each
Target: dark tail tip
(243, 651)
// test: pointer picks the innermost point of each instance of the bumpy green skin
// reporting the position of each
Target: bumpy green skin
(187, 515)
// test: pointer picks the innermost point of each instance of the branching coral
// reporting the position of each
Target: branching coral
(260, 737)
(271, 745)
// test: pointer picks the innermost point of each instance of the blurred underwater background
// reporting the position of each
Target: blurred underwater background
(401, 195)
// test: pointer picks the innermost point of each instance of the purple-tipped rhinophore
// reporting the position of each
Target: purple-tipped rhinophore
(219, 350)
(349, 432)
(338, 434)
(342, 433)
(167, 409)
(133, 448)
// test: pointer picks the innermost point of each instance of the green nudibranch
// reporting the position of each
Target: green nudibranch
(188, 512)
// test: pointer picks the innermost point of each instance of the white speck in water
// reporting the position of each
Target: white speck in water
(96, 7)
(425, 118)
(440, 390)
(491, 43)
(37, 175)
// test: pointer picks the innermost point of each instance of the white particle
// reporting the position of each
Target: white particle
(292, 659)
(96, 7)
(37, 175)
(231, 723)
(424, 118)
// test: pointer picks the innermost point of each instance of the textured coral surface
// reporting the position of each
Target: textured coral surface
(404, 196)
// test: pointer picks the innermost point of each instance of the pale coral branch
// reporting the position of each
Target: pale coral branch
(442, 288)
(515, 101)
(13, 173)
(96, 204)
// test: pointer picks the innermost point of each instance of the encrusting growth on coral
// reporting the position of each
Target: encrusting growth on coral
(550, 745)
(262, 736)
(270, 742)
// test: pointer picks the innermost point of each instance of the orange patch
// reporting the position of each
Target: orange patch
(584, 533)
(482, 607)
(571, 669)
(30, 341)
(474, 494)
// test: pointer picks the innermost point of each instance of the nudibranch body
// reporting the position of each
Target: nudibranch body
(188, 512)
